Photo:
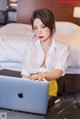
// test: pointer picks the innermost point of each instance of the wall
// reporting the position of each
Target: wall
(26, 7)
(64, 10)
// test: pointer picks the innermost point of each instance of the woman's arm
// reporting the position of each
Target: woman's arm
(53, 75)
(47, 76)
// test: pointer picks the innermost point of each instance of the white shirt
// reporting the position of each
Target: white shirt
(57, 58)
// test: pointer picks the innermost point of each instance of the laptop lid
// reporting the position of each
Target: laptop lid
(24, 94)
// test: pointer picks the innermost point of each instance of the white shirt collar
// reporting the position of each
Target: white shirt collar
(37, 43)
(52, 47)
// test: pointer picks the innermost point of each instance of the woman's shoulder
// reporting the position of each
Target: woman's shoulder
(30, 44)
(61, 45)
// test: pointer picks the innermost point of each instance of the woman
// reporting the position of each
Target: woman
(45, 59)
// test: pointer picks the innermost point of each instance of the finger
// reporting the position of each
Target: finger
(34, 77)
(45, 80)
(42, 79)
(39, 78)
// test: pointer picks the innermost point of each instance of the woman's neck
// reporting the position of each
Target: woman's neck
(47, 42)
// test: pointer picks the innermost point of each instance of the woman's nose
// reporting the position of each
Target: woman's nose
(39, 30)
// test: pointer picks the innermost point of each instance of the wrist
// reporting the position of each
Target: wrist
(44, 75)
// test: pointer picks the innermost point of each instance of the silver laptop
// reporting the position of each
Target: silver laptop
(24, 95)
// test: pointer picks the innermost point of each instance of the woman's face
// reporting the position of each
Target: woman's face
(40, 30)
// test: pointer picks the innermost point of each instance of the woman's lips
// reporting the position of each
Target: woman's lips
(41, 37)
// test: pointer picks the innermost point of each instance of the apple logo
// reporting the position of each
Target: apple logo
(20, 95)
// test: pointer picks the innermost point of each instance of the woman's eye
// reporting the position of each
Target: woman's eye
(34, 28)
(43, 27)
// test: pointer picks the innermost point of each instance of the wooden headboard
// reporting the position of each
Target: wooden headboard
(26, 7)
(62, 11)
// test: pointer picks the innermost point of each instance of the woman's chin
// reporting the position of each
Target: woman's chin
(42, 40)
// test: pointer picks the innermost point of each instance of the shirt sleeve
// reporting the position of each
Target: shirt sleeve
(63, 59)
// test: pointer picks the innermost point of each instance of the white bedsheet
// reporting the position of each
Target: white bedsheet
(15, 66)
(73, 70)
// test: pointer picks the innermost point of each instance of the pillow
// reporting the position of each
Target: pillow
(72, 39)
(66, 27)
(16, 29)
(12, 50)
(13, 39)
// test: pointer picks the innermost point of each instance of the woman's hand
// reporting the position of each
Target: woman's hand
(25, 77)
(39, 76)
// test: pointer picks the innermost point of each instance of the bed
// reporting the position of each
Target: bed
(14, 36)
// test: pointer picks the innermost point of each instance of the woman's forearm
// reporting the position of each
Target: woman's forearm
(53, 75)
